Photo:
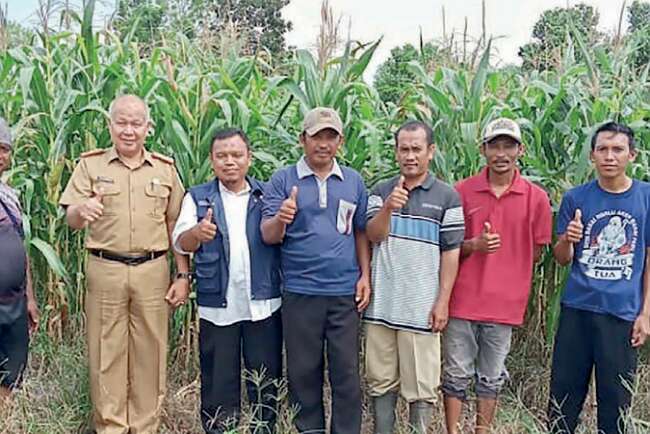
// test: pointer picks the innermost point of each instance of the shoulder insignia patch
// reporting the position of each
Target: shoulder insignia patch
(92, 153)
(163, 158)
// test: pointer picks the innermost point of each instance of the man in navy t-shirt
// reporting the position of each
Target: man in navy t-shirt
(603, 231)
(316, 209)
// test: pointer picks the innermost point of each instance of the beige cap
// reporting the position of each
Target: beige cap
(502, 127)
(321, 118)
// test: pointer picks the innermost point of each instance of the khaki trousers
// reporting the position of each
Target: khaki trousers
(127, 343)
(402, 359)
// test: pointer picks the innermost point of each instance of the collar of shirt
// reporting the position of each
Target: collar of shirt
(304, 170)
(112, 155)
(245, 191)
(517, 186)
(425, 185)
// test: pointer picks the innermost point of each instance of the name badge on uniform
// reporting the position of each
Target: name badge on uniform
(104, 179)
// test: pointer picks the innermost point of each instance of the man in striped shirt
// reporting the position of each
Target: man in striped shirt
(416, 225)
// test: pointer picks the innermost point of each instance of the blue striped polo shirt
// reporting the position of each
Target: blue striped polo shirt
(406, 265)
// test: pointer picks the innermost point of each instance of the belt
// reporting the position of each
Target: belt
(128, 260)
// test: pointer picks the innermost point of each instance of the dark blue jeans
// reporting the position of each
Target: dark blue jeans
(586, 341)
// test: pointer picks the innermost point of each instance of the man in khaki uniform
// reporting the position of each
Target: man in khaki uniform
(128, 199)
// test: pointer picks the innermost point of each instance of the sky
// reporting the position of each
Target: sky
(399, 22)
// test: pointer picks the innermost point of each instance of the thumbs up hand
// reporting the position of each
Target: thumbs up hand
(575, 228)
(487, 227)
(398, 197)
(289, 207)
(488, 241)
(206, 230)
(99, 194)
(91, 210)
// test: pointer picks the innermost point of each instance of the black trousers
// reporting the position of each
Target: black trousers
(14, 344)
(314, 324)
(584, 341)
(221, 348)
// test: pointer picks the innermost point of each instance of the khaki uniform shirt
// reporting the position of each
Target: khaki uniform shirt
(139, 203)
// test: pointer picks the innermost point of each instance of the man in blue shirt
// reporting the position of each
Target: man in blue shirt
(604, 233)
(316, 210)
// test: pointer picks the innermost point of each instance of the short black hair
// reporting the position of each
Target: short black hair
(227, 133)
(415, 125)
(614, 127)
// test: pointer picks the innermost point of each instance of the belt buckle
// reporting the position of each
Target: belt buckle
(132, 261)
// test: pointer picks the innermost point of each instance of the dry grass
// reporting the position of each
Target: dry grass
(54, 398)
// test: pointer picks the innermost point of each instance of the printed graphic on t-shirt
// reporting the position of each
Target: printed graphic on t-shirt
(610, 239)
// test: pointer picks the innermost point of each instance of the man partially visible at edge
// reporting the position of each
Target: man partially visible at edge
(18, 310)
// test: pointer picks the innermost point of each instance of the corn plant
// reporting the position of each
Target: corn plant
(56, 92)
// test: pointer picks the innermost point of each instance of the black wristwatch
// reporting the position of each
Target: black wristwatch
(184, 275)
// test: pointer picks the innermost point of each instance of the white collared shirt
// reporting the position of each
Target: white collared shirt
(303, 170)
(239, 305)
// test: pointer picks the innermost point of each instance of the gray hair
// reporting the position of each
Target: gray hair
(111, 108)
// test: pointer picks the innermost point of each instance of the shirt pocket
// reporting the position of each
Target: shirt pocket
(345, 216)
(206, 266)
(157, 193)
(110, 194)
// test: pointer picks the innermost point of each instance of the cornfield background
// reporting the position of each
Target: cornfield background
(56, 91)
